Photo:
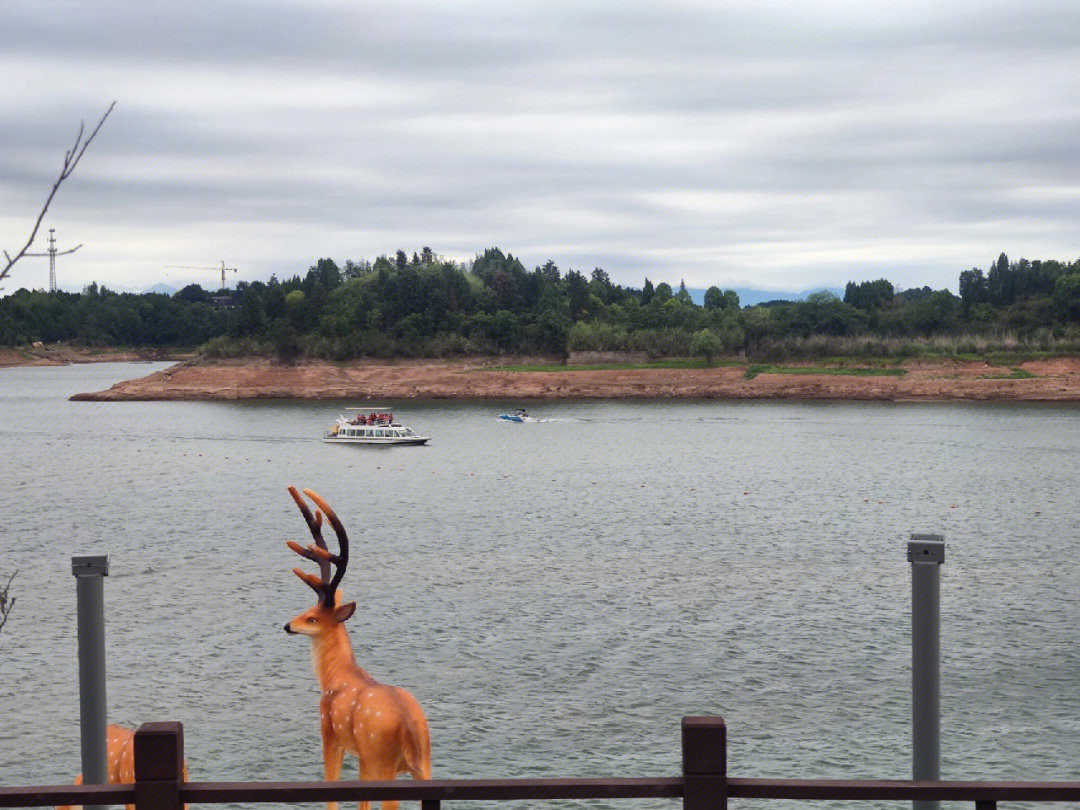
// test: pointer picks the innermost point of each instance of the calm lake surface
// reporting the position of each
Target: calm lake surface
(556, 595)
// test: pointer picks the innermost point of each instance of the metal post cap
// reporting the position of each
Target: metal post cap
(926, 548)
(84, 565)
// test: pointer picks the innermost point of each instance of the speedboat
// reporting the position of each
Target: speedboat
(519, 415)
(376, 426)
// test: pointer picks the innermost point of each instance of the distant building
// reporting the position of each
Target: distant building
(223, 301)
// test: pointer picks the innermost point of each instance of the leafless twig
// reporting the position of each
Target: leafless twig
(6, 604)
(71, 160)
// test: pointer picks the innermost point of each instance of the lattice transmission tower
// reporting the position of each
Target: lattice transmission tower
(52, 253)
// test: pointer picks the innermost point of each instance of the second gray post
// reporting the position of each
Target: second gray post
(926, 553)
(89, 571)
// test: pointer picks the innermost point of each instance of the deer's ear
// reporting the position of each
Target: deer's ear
(343, 612)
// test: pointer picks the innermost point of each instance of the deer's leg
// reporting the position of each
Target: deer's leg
(333, 757)
(124, 766)
(379, 771)
(78, 781)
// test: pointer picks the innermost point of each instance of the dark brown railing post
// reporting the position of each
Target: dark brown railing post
(985, 804)
(704, 757)
(159, 766)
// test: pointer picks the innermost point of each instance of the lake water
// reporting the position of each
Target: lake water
(557, 595)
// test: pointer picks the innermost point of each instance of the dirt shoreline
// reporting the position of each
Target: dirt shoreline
(1054, 380)
(62, 355)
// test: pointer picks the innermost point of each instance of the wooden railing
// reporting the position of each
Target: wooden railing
(703, 784)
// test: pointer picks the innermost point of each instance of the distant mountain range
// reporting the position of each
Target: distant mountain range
(749, 296)
(161, 289)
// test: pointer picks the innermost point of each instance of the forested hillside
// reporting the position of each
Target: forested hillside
(415, 306)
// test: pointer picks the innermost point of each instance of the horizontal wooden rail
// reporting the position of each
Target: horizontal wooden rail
(66, 794)
(703, 785)
(433, 789)
(550, 789)
(663, 788)
(885, 789)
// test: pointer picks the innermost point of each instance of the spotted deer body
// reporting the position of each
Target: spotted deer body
(120, 759)
(382, 725)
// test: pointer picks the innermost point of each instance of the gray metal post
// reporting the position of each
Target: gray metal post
(89, 571)
(926, 553)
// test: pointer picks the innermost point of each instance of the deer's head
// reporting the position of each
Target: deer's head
(328, 612)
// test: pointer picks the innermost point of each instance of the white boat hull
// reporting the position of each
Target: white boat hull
(376, 440)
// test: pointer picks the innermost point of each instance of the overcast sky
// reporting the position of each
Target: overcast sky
(772, 145)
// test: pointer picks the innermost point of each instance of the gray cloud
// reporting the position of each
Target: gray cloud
(745, 143)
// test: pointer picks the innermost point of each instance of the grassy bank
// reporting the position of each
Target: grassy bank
(839, 370)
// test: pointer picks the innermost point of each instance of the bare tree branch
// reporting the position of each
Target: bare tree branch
(6, 604)
(71, 160)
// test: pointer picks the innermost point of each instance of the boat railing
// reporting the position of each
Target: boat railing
(703, 784)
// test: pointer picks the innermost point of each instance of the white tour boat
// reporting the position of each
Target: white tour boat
(371, 426)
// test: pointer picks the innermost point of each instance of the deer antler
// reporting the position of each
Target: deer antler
(323, 585)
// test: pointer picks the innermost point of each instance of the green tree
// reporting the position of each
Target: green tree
(707, 344)
(553, 332)
(577, 290)
(296, 308)
(869, 295)
(550, 271)
(973, 288)
(251, 315)
(714, 299)
(274, 301)
(504, 329)
(683, 294)
(1001, 282)
(284, 338)
(600, 285)
(647, 292)
(930, 314)
(1066, 297)
(193, 294)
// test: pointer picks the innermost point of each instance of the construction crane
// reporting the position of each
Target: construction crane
(223, 269)
(52, 253)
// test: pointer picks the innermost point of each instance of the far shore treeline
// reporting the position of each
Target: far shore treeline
(423, 306)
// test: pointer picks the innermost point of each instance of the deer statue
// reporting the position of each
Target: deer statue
(120, 753)
(382, 725)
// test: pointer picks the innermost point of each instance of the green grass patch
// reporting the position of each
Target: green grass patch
(1015, 374)
(673, 363)
(1003, 358)
(855, 361)
(849, 371)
